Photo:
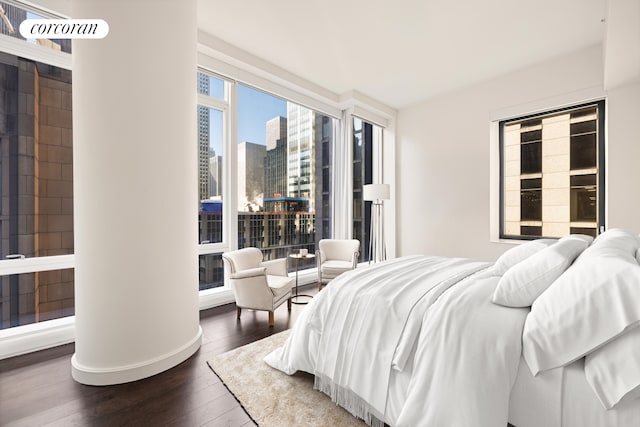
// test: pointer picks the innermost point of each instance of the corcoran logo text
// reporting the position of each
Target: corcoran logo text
(64, 29)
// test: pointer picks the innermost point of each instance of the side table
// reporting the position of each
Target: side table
(298, 257)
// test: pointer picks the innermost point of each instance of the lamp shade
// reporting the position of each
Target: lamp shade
(375, 192)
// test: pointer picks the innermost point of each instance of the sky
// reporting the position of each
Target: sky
(255, 109)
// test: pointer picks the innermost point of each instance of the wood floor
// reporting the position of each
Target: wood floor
(37, 389)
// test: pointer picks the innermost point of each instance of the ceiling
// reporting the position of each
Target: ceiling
(403, 51)
(400, 52)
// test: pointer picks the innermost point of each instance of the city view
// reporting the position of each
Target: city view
(283, 176)
(551, 174)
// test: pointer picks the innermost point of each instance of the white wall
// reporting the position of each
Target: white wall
(443, 154)
(623, 157)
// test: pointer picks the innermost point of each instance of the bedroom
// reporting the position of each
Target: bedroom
(441, 223)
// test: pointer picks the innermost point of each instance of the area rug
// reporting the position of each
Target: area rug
(272, 398)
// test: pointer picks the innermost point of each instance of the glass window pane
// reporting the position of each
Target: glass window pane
(584, 114)
(582, 180)
(36, 159)
(583, 127)
(210, 131)
(583, 151)
(357, 125)
(36, 183)
(584, 204)
(531, 157)
(531, 136)
(358, 149)
(584, 198)
(362, 174)
(529, 184)
(283, 174)
(357, 174)
(210, 86)
(211, 271)
(550, 181)
(12, 18)
(531, 205)
(36, 297)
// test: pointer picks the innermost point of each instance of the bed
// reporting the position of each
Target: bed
(546, 336)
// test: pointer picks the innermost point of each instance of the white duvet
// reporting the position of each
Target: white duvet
(414, 341)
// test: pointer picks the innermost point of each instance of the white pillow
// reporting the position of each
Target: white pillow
(613, 371)
(519, 253)
(594, 301)
(638, 256)
(525, 281)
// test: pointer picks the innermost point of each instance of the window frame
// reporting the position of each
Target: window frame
(224, 106)
(31, 335)
(498, 127)
(230, 107)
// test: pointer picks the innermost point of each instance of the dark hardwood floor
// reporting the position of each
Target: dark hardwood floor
(37, 389)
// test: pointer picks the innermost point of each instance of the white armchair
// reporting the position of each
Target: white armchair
(334, 257)
(257, 284)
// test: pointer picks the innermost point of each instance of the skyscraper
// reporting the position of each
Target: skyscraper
(203, 141)
(276, 129)
(275, 167)
(215, 175)
(300, 151)
(323, 141)
(250, 176)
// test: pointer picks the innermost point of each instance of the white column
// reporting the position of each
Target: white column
(135, 191)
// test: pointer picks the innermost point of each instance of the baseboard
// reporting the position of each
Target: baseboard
(215, 297)
(124, 374)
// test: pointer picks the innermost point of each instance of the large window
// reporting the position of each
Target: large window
(552, 173)
(213, 107)
(281, 174)
(36, 176)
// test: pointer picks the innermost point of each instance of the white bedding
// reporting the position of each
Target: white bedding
(417, 341)
(434, 350)
(581, 407)
(562, 397)
(466, 360)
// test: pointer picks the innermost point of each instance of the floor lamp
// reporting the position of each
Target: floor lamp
(376, 193)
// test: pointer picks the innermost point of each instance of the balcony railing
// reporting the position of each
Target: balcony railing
(277, 234)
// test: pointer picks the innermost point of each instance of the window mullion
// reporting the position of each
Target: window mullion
(210, 102)
(230, 166)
